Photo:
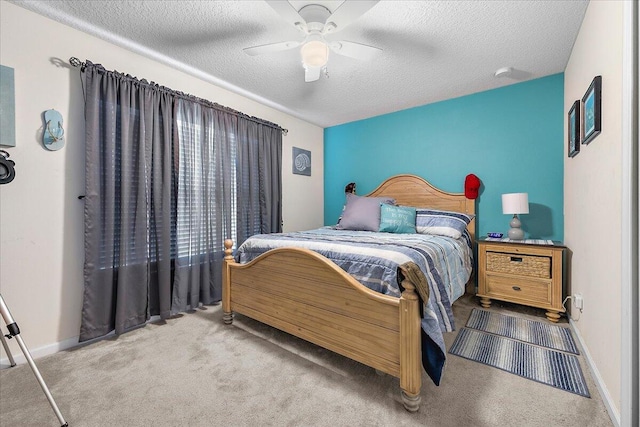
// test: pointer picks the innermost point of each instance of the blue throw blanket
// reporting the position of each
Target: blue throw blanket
(374, 258)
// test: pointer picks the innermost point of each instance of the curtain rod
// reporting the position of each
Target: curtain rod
(75, 62)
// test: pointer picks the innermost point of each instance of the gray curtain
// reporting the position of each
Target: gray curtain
(168, 177)
(229, 186)
(259, 197)
(127, 203)
(205, 209)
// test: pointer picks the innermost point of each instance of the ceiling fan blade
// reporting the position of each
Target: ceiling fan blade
(355, 50)
(289, 13)
(347, 12)
(271, 48)
(311, 74)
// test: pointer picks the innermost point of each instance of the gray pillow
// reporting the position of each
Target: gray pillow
(362, 213)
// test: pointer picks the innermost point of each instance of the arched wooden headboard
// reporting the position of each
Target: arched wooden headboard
(411, 190)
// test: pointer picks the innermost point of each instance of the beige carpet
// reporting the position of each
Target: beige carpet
(196, 371)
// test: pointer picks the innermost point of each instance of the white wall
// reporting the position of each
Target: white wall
(41, 219)
(592, 195)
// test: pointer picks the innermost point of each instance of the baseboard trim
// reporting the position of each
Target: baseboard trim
(602, 388)
(36, 353)
(49, 349)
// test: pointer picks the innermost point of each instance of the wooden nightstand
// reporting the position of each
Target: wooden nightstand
(522, 273)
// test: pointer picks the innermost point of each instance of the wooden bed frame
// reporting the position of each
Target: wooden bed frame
(307, 295)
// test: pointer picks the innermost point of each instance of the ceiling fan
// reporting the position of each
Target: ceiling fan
(315, 21)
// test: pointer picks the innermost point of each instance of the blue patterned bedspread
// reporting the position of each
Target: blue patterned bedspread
(373, 259)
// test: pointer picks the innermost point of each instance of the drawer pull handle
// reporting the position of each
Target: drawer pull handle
(516, 259)
(516, 288)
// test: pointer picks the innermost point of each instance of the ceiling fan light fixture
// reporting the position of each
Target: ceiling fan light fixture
(315, 53)
(314, 21)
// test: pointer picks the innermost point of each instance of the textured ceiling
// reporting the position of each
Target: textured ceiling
(432, 50)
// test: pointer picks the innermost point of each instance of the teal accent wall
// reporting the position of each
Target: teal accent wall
(512, 138)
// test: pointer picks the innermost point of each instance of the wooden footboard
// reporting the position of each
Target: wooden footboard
(305, 294)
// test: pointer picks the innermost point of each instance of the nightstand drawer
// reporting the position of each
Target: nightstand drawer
(522, 265)
(519, 289)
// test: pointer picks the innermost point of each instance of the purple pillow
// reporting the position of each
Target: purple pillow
(362, 213)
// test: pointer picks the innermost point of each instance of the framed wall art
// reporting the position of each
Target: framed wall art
(301, 161)
(573, 129)
(592, 111)
(7, 108)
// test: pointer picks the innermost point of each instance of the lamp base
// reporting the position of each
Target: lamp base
(515, 232)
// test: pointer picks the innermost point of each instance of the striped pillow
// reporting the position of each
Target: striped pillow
(442, 223)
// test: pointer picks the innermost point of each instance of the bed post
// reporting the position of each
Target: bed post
(410, 352)
(227, 316)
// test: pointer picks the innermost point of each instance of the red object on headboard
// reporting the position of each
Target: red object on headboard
(471, 186)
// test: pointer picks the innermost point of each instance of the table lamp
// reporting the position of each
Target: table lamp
(515, 203)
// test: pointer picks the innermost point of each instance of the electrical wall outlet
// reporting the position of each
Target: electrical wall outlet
(578, 302)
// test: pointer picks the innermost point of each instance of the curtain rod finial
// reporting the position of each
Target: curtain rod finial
(75, 62)
(285, 132)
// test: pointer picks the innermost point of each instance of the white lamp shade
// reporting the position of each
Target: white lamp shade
(515, 203)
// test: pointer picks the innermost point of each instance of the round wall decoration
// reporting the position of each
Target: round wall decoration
(301, 161)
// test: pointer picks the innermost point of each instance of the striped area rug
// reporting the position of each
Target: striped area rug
(554, 368)
(531, 331)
